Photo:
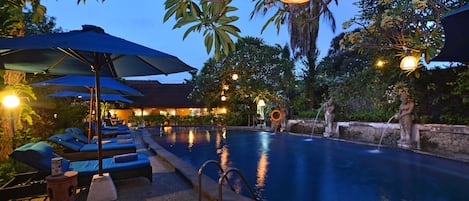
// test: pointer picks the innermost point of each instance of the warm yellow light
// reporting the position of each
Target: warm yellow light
(409, 63)
(295, 1)
(224, 110)
(11, 101)
(223, 98)
(261, 103)
(235, 76)
(380, 63)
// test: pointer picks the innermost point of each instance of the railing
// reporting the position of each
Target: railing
(224, 175)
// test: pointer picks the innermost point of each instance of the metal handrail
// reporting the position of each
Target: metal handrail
(225, 174)
(202, 167)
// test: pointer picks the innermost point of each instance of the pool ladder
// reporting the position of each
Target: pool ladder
(221, 178)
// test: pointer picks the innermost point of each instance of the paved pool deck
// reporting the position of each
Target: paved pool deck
(167, 184)
(173, 179)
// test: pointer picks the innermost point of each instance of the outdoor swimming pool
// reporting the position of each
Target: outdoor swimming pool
(286, 167)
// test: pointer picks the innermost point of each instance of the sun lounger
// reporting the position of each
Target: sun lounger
(39, 155)
(80, 136)
(76, 150)
(110, 131)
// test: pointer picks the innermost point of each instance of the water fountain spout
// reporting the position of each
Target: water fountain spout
(382, 131)
(314, 123)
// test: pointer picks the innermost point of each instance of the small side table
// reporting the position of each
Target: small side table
(62, 187)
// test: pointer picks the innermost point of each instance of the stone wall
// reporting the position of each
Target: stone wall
(451, 141)
(445, 140)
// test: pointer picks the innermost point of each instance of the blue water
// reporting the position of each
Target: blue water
(284, 167)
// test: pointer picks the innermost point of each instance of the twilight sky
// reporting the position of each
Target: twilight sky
(142, 23)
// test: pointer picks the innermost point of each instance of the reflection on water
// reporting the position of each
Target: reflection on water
(262, 164)
(207, 136)
(262, 170)
(191, 139)
(285, 167)
(224, 154)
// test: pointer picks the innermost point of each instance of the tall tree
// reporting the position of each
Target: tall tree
(264, 72)
(303, 26)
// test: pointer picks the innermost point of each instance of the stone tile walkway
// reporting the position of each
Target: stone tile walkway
(167, 184)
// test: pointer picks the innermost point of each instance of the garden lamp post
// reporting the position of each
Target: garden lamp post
(11, 102)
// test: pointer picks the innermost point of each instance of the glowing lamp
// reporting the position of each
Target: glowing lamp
(380, 63)
(261, 103)
(11, 101)
(409, 63)
(235, 76)
(223, 98)
(295, 1)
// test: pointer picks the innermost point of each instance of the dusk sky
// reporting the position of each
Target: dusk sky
(142, 23)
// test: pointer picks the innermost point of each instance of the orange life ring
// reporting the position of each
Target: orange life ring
(272, 115)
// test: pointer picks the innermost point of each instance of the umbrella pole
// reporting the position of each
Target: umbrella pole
(98, 119)
(91, 116)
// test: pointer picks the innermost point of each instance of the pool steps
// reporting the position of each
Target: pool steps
(224, 175)
(189, 173)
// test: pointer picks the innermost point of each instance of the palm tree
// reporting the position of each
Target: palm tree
(303, 26)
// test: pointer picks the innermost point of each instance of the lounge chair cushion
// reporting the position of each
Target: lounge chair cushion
(77, 134)
(125, 141)
(124, 136)
(38, 155)
(91, 166)
(67, 140)
(122, 158)
(106, 147)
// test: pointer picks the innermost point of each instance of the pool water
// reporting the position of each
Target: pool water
(282, 167)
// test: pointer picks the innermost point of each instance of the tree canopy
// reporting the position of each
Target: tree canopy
(264, 72)
(406, 27)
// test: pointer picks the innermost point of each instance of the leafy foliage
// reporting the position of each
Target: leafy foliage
(408, 27)
(211, 17)
(13, 17)
(264, 71)
(438, 98)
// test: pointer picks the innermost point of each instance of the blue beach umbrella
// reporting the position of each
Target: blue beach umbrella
(87, 83)
(77, 82)
(87, 96)
(89, 51)
(456, 46)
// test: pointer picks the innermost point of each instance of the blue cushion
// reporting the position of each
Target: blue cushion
(66, 140)
(74, 130)
(90, 167)
(38, 155)
(81, 138)
(125, 158)
(108, 146)
(61, 137)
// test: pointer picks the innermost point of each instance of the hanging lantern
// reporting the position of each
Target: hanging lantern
(409, 63)
(295, 1)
